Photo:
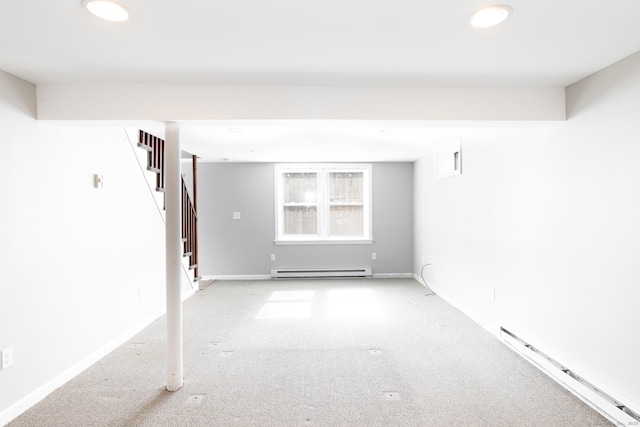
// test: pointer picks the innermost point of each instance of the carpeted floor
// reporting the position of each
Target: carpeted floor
(316, 353)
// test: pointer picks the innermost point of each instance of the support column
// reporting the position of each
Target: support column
(173, 233)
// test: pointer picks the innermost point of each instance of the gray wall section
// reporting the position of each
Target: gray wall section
(244, 247)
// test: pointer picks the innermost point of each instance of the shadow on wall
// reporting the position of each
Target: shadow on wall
(17, 93)
(604, 84)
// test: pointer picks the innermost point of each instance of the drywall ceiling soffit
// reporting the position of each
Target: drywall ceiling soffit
(305, 124)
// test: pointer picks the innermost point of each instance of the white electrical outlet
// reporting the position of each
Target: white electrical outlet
(374, 256)
(273, 257)
(492, 294)
(7, 358)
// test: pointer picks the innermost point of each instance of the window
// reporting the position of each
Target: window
(448, 161)
(323, 203)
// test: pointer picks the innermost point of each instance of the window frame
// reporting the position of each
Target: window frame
(323, 203)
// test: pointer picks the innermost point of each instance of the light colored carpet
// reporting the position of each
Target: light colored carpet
(316, 353)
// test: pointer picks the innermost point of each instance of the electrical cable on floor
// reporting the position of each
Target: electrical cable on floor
(425, 282)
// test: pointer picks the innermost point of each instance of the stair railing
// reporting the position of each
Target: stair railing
(155, 156)
(189, 234)
(155, 163)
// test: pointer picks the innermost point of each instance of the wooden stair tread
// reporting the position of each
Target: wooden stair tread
(145, 146)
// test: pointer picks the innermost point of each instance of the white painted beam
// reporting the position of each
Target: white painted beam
(210, 102)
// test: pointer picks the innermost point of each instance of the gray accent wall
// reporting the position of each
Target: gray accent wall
(244, 247)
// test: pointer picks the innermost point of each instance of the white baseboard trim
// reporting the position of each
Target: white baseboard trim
(393, 276)
(44, 390)
(238, 277)
(495, 330)
(419, 279)
(268, 277)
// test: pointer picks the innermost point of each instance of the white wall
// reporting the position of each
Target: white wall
(551, 220)
(73, 258)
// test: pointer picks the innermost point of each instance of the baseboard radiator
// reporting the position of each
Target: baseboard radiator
(320, 273)
(603, 402)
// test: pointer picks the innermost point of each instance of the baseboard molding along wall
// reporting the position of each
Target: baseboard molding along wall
(494, 329)
(44, 390)
(393, 276)
(268, 277)
(238, 277)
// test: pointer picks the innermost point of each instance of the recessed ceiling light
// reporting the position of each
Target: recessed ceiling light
(106, 9)
(490, 16)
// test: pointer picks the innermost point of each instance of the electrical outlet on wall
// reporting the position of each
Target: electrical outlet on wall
(7, 358)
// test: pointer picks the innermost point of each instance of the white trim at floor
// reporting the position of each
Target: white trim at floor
(268, 277)
(59, 380)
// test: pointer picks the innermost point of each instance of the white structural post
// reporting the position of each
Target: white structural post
(173, 204)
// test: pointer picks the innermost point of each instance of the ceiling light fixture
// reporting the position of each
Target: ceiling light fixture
(490, 16)
(106, 9)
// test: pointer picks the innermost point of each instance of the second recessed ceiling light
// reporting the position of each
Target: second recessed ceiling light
(490, 16)
(106, 9)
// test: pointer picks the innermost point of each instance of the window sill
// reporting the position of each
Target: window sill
(325, 242)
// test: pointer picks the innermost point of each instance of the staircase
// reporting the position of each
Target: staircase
(155, 163)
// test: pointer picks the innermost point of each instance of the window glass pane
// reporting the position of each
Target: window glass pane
(345, 187)
(346, 220)
(300, 187)
(300, 220)
(319, 202)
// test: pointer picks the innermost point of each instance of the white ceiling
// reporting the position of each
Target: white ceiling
(546, 43)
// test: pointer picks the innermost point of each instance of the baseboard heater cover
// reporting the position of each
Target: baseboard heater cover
(302, 273)
(587, 390)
